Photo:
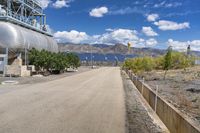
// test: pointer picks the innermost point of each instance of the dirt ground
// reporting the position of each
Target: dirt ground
(180, 88)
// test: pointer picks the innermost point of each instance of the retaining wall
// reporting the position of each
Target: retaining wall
(174, 120)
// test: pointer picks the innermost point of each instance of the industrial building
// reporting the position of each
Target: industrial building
(22, 27)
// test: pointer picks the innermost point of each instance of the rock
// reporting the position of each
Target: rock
(193, 90)
(194, 100)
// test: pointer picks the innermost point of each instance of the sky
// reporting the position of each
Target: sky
(143, 23)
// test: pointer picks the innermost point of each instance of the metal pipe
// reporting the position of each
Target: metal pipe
(44, 19)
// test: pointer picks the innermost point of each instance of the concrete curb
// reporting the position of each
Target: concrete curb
(154, 117)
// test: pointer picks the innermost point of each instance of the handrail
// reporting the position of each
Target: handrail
(27, 3)
(24, 22)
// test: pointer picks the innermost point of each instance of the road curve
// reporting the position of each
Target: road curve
(90, 102)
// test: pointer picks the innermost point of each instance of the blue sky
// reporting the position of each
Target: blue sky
(144, 23)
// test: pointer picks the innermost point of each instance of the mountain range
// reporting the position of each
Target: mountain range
(109, 49)
(113, 49)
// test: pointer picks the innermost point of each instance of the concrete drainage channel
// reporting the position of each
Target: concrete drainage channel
(174, 120)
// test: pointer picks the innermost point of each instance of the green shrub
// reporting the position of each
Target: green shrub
(159, 63)
(73, 60)
(148, 64)
(140, 65)
(48, 61)
(181, 61)
(172, 60)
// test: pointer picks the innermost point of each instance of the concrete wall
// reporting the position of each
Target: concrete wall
(174, 120)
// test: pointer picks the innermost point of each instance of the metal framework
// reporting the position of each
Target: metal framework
(26, 13)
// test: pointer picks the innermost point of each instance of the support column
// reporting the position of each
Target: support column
(9, 10)
(5, 61)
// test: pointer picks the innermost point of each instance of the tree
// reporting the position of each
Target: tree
(168, 61)
(46, 61)
(147, 64)
(171, 60)
(159, 62)
(73, 60)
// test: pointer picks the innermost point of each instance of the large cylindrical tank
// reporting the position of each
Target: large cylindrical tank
(17, 37)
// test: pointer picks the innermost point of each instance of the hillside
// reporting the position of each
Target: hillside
(105, 49)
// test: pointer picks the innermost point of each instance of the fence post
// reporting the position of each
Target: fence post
(142, 85)
(156, 98)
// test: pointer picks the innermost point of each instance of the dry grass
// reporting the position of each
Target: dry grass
(176, 87)
(183, 102)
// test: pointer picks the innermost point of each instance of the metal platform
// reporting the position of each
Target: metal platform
(26, 13)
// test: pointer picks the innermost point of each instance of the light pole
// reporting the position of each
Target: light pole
(86, 59)
(117, 60)
(91, 56)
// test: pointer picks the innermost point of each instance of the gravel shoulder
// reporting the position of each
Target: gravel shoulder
(137, 113)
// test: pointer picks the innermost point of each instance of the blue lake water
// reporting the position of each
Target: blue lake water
(104, 57)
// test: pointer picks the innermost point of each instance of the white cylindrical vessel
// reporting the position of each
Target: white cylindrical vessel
(17, 37)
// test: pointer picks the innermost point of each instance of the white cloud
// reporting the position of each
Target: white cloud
(61, 3)
(157, 5)
(109, 29)
(111, 36)
(56, 4)
(45, 3)
(182, 45)
(151, 42)
(170, 25)
(175, 4)
(152, 17)
(188, 12)
(98, 12)
(71, 36)
(118, 36)
(165, 4)
(126, 10)
(148, 31)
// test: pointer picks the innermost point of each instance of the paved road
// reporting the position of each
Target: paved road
(90, 102)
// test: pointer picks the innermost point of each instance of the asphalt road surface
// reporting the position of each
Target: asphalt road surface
(90, 102)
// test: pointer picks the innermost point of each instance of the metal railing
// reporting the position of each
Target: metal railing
(35, 5)
(23, 21)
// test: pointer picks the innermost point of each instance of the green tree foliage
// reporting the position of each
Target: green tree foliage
(73, 60)
(172, 60)
(51, 62)
(180, 60)
(140, 65)
(148, 64)
(167, 61)
(158, 63)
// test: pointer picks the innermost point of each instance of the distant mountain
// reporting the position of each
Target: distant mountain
(79, 48)
(101, 45)
(197, 53)
(112, 49)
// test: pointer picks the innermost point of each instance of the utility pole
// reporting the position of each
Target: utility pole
(188, 50)
(91, 56)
